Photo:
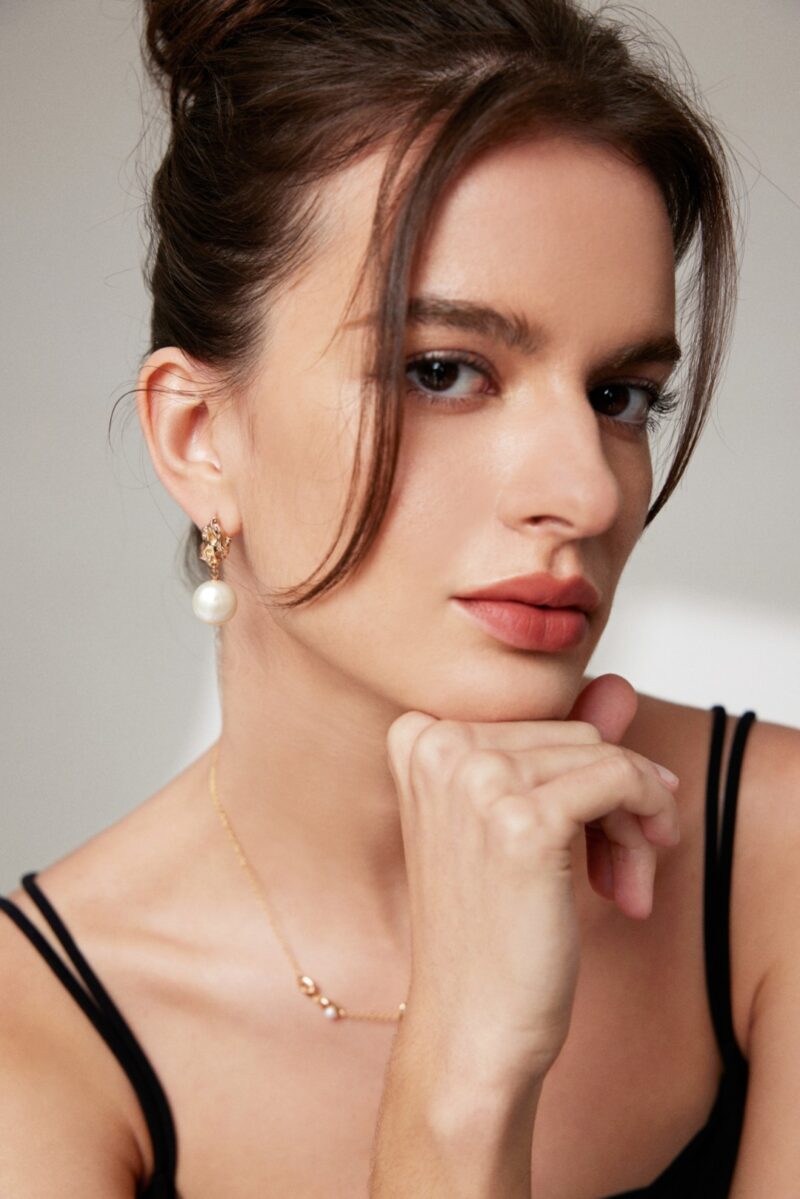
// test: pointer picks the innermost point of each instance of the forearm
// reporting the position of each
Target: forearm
(442, 1134)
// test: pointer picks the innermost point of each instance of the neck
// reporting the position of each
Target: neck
(303, 774)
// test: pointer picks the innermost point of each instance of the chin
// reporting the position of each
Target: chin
(547, 691)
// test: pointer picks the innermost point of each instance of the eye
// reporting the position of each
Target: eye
(638, 405)
(447, 380)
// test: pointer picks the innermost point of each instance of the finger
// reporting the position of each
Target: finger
(546, 763)
(633, 860)
(401, 736)
(483, 775)
(592, 792)
(529, 734)
(612, 791)
(634, 869)
(404, 735)
(599, 866)
(620, 874)
(609, 702)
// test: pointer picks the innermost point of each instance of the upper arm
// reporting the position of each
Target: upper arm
(768, 1162)
(56, 1134)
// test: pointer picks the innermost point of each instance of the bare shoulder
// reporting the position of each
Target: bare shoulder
(48, 1097)
(765, 876)
(765, 883)
(768, 807)
(56, 1072)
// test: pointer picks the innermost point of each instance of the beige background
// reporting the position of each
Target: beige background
(107, 678)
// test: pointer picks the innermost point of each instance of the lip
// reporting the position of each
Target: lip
(541, 590)
(534, 612)
(526, 626)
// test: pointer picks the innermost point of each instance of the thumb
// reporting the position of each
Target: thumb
(609, 702)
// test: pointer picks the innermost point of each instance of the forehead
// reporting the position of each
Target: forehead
(560, 223)
(571, 232)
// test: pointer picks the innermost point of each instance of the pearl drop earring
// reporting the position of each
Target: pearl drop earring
(214, 601)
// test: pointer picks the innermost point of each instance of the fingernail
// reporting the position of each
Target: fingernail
(669, 778)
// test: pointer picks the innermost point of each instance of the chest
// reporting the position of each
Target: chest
(282, 1102)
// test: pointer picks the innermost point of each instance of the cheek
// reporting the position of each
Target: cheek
(640, 481)
(303, 448)
(634, 471)
(444, 500)
(452, 491)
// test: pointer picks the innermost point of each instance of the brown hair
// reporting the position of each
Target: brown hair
(269, 97)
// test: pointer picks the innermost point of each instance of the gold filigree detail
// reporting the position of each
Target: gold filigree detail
(215, 546)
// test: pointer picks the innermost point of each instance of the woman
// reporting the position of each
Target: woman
(460, 223)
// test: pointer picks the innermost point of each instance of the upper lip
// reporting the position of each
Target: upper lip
(542, 590)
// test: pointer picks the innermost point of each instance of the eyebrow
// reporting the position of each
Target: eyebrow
(515, 331)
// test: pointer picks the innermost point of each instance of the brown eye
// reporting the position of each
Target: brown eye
(446, 379)
(623, 401)
(638, 406)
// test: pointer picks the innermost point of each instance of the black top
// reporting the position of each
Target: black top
(702, 1170)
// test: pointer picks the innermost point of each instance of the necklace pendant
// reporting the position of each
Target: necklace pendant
(307, 985)
(329, 1009)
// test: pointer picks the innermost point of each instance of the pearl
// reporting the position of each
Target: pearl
(214, 601)
(331, 1011)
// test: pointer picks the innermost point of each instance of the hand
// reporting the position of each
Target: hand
(489, 813)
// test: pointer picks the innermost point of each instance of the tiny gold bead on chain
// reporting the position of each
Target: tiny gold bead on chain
(308, 986)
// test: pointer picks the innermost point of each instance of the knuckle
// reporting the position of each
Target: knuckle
(401, 732)
(436, 745)
(512, 823)
(477, 763)
(480, 771)
(583, 732)
(620, 770)
(607, 749)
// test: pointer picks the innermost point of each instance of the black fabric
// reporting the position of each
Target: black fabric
(702, 1170)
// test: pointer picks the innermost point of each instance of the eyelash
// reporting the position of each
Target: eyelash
(661, 402)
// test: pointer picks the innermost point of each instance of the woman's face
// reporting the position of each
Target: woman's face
(537, 467)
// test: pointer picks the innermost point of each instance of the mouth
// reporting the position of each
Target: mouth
(543, 627)
(541, 590)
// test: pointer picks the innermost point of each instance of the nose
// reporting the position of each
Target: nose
(558, 472)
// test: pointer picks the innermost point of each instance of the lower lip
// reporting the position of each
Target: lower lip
(526, 626)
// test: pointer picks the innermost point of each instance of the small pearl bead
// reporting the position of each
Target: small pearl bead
(214, 601)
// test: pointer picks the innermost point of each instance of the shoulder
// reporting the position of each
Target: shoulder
(113, 893)
(765, 881)
(766, 853)
(768, 898)
(56, 1089)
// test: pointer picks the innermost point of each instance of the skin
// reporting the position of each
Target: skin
(535, 482)
(528, 478)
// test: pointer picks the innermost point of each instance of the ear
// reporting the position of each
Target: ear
(180, 407)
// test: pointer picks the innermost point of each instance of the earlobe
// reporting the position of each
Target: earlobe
(177, 399)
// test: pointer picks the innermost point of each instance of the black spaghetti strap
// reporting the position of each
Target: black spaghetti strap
(718, 873)
(725, 868)
(710, 914)
(107, 1020)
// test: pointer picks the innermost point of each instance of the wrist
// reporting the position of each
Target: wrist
(466, 1082)
(469, 1135)
(455, 1053)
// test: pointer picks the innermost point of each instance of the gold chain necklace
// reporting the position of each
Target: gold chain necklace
(333, 1011)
